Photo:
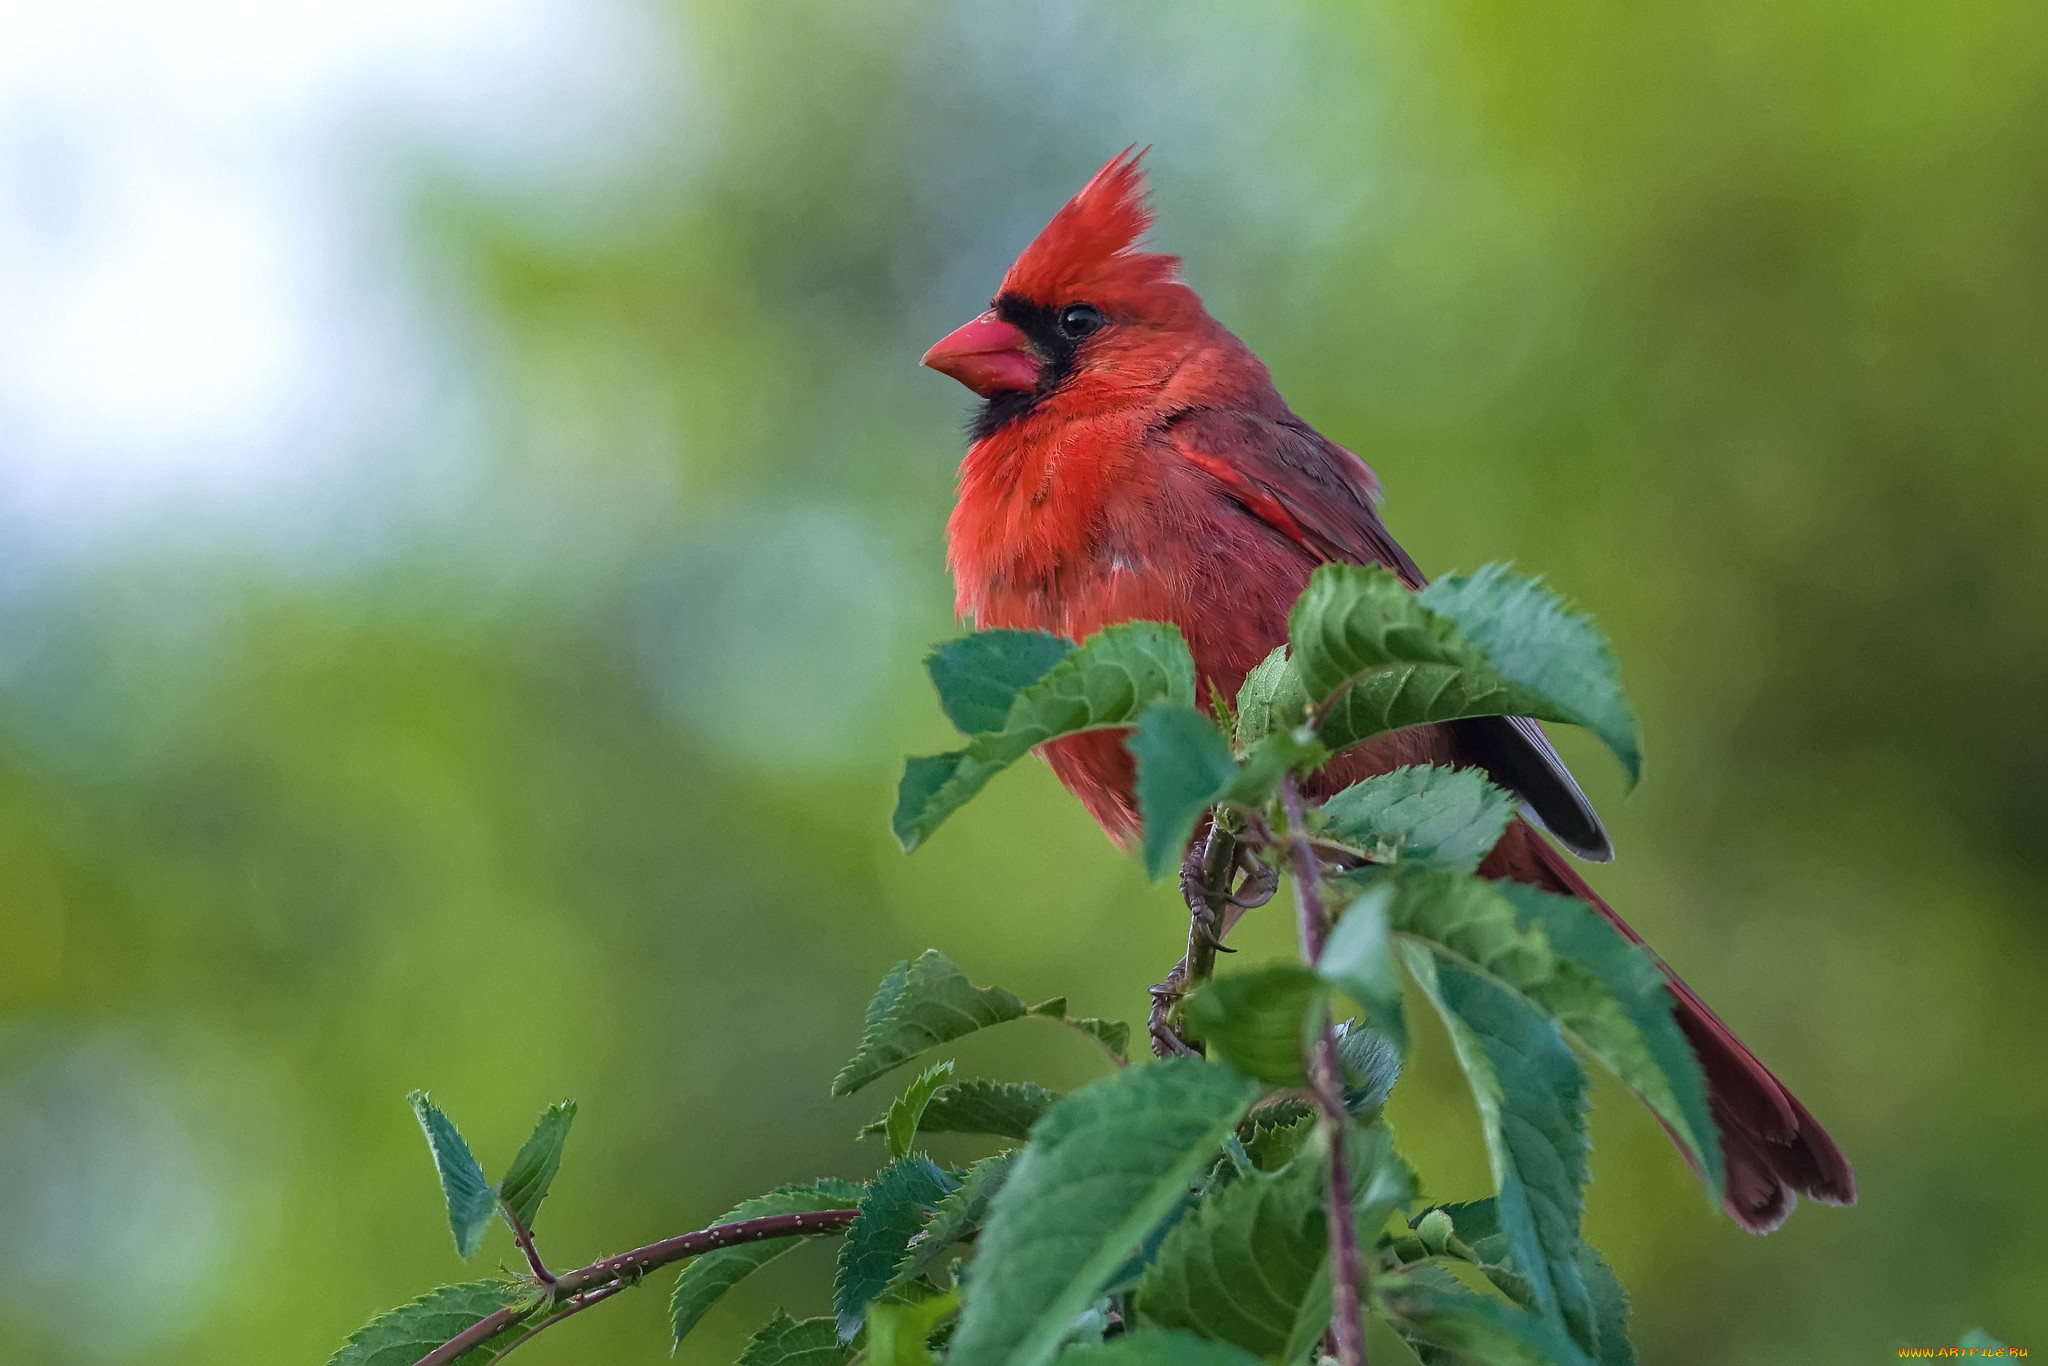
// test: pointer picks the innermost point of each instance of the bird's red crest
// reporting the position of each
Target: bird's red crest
(1089, 249)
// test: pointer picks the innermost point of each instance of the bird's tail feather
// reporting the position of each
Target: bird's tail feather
(1773, 1148)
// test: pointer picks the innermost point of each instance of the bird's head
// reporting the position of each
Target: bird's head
(1083, 311)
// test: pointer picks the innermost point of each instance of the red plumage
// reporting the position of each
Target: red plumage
(1134, 461)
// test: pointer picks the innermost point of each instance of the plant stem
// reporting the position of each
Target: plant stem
(616, 1273)
(524, 1237)
(1326, 1084)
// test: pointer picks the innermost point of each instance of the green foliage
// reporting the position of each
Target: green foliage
(1258, 1020)
(1183, 764)
(1150, 1347)
(899, 1127)
(1004, 1109)
(1154, 1216)
(471, 1200)
(1379, 657)
(525, 1183)
(706, 1278)
(893, 1208)
(1105, 681)
(783, 1341)
(897, 1333)
(1427, 814)
(1358, 959)
(960, 1215)
(1448, 1324)
(1104, 1168)
(979, 675)
(1531, 1098)
(403, 1335)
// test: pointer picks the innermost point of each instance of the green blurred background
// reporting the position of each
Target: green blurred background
(470, 518)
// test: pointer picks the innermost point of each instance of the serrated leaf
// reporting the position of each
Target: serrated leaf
(1382, 658)
(401, 1336)
(1151, 1347)
(1446, 1323)
(704, 1279)
(525, 1183)
(471, 1201)
(1358, 959)
(1114, 1036)
(893, 1208)
(979, 676)
(1476, 1224)
(1531, 1098)
(919, 1006)
(1380, 1181)
(1429, 814)
(1533, 637)
(958, 1216)
(1183, 764)
(1256, 1021)
(1271, 700)
(897, 1332)
(1005, 1109)
(1628, 1024)
(1371, 1066)
(899, 1127)
(1239, 1267)
(784, 1341)
(1104, 682)
(1565, 959)
(1610, 1310)
(1274, 1132)
(1103, 1169)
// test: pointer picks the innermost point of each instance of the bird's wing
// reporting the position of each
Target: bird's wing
(1323, 498)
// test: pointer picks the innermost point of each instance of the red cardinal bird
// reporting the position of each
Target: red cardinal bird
(1132, 460)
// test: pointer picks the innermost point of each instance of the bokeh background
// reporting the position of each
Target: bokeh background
(470, 518)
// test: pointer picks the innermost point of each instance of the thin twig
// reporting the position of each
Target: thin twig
(524, 1237)
(1326, 1084)
(616, 1273)
(575, 1304)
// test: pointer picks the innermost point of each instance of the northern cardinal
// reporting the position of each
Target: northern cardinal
(1132, 460)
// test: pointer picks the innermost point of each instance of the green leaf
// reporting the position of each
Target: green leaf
(1106, 681)
(1391, 658)
(1006, 1109)
(1380, 1181)
(1358, 959)
(893, 1209)
(1239, 1267)
(1257, 1021)
(1430, 814)
(1371, 1066)
(1113, 1035)
(979, 676)
(1627, 1024)
(403, 1335)
(1271, 701)
(1535, 639)
(1103, 1169)
(1184, 763)
(784, 1341)
(1981, 1341)
(899, 1127)
(919, 1006)
(958, 1215)
(1567, 960)
(1150, 1347)
(525, 1183)
(709, 1276)
(1476, 1224)
(1446, 1323)
(471, 1201)
(1531, 1098)
(1274, 1132)
(897, 1332)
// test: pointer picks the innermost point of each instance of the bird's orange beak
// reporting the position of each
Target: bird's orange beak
(988, 355)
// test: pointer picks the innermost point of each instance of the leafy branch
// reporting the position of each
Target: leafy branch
(1238, 1199)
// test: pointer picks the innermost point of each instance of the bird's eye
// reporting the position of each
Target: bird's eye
(1079, 320)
